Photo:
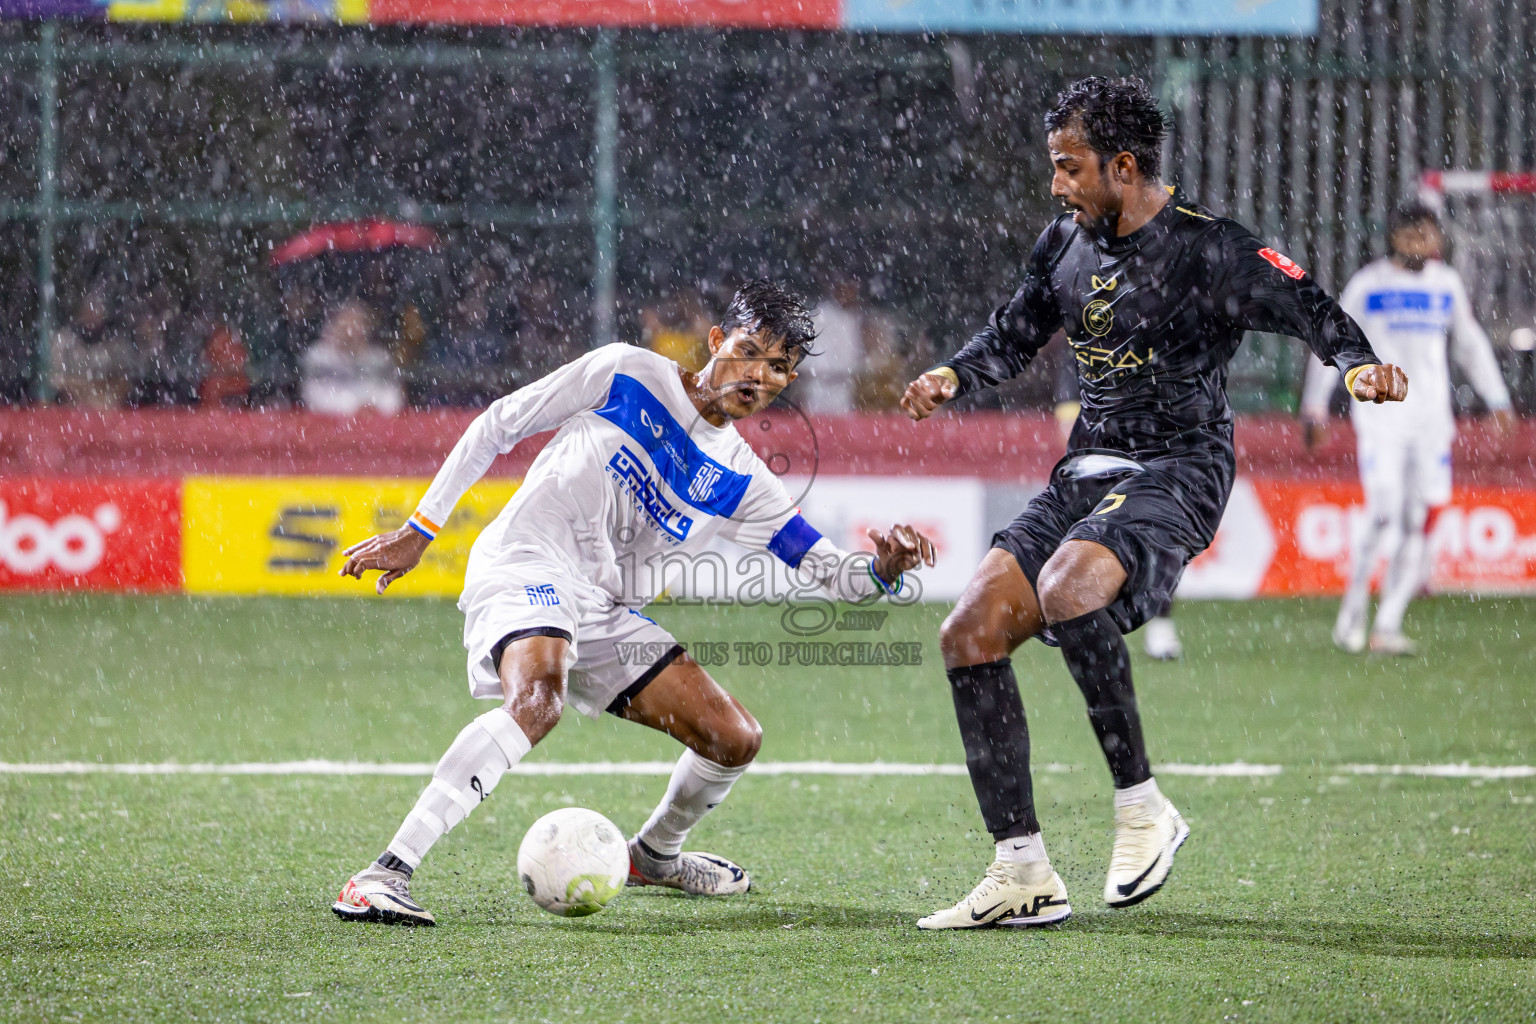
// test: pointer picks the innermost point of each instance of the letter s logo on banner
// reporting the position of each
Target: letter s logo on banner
(90, 535)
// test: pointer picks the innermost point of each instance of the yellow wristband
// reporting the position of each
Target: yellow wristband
(1349, 378)
(947, 373)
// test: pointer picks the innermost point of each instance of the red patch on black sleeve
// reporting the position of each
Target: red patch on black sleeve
(1283, 263)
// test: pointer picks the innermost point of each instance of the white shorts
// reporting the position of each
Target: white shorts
(614, 650)
(1405, 476)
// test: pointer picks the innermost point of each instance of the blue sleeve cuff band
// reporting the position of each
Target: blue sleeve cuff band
(890, 589)
(412, 524)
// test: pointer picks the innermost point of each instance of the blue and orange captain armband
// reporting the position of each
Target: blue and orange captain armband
(422, 525)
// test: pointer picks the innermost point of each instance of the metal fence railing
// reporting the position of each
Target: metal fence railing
(599, 172)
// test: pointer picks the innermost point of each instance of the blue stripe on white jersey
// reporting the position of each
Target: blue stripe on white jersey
(1400, 300)
(694, 477)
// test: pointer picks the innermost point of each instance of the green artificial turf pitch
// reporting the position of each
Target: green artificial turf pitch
(1311, 895)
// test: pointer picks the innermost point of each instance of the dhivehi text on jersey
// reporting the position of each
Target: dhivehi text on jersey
(629, 470)
(695, 477)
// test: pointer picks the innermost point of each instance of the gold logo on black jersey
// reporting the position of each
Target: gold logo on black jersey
(1098, 317)
(1108, 504)
(1101, 285)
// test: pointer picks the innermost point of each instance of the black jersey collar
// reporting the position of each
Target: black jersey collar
(1119, 245)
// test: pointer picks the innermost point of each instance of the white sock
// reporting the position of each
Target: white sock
(1028, 849)
(1402, 583)
(697, 787)
(1141, 793)
(1357, 593)
(468, 772)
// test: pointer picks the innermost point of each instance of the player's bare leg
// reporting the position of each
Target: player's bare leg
(722, 738)
(997, 612)
(1077, 585)
(532, 672)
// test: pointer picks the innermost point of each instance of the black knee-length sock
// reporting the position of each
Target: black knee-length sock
(996, 740)
(1096, 656)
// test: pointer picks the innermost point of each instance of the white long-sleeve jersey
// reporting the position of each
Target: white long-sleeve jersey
(1416, 321)
(634, 474)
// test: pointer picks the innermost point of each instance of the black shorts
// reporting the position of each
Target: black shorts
(1154, 514)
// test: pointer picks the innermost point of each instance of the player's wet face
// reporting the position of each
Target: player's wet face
(1414, 245)
(1082, 180)
(748, 371)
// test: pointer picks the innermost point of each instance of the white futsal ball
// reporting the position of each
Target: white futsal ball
(573, 862)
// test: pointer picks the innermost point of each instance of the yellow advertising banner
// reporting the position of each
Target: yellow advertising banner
(244, 12)
(285, 535)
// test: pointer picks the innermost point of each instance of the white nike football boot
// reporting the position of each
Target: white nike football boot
(1145, 842)
(1349, 630)
(1011, 895)
(385, 900)
(698, 874)
(1161, 637)
(1394, 645)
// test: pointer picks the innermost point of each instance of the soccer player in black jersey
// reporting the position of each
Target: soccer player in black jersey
(1154, 292)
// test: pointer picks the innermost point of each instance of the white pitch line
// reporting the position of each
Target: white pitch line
(1235, 769)
(1442, 771)
(426, 767)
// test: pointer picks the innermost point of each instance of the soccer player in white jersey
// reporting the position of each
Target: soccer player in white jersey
(646, 465)
(1410, 305)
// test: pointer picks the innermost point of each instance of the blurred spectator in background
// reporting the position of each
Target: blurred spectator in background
(347, 370)
(546, 338)
(828, 383)
(296, 324)
(866, 356)
(678, 328)
(18, 334)
(884, 376)
(15, 364)
(88, 362)
(224, 376)
(163, 360)
(469, 357)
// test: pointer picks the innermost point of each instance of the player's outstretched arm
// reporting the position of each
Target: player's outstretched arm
(1381, 382)
(394, 554)
(898, 551)
(542, 405)
(1015, 332)
(929, 391)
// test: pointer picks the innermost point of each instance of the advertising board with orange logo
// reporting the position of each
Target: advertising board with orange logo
(1281, 538)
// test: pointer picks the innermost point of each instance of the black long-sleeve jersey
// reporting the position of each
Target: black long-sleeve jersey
(1153, 319)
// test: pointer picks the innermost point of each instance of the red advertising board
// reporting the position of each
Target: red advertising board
(71, 534)
(1283, 537)
(761, 14)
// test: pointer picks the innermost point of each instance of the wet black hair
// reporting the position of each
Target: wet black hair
(1115, 115)
(1410, 214)
(760, 306)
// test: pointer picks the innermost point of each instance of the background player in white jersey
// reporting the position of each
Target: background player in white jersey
(646, 464)
(1410, 305)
